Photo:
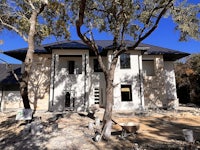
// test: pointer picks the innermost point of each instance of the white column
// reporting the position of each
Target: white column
(85, 66)
(141, 81)
(54, 64)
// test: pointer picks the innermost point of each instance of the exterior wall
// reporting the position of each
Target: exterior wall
(62, 82)
(10, 99)
(96, 81)
(170, 85)
(82, 86)
(40, 82)
(154, 86)
(128, 77)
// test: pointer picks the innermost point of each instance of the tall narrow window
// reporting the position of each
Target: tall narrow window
(126, 93)
(125, 61)
(148, 67)
(97, 67)
(71, 66)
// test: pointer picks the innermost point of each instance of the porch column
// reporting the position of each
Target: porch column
(54, 64)
(141, 81)
(85, 66)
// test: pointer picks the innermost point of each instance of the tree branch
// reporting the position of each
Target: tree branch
(155, 24)
(141, 38)
(84, 38)
(31, 4)
(43, 5)
(14, 29)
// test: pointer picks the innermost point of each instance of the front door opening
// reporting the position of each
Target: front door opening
(67, 99)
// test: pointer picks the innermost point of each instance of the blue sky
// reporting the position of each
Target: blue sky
(164, 36)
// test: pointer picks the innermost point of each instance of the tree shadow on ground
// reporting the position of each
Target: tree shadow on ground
(161, 133)
(169, 134)
(13, 135)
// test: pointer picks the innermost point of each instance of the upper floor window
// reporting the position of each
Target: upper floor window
(148, 67)
(97, 67)
(125, 61)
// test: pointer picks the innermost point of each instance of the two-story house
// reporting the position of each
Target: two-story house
(66, 75)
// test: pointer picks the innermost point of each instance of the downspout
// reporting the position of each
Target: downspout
(54, 69)
(85, 78)
(1, 98)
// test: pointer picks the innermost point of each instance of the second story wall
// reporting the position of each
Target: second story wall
(127, 84)
(154, 80)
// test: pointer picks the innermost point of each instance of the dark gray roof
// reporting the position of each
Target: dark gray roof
(168, 54)
(103, 46)
(6, 76)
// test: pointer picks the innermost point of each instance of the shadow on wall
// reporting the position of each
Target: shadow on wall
(11, 100)
(171, 100)
(135, 82)
(10, 94)
(160, 89)
(74, 84)
(39, 84)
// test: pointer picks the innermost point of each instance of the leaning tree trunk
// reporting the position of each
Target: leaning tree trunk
(107, 119)
(28, 61)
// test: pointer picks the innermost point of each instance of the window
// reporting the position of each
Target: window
(96, 95)
(126, 93)
(97, 67)
(71, 66)
(125, 61)
(148, 67)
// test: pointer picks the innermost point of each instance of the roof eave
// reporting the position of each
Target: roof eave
(170, 56)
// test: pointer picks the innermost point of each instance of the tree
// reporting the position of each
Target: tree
(194, 78)
(33, 20)
(182, 72)
(188, 79)
(133, 19)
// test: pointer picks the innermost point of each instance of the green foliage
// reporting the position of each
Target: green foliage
(187, 18)
(15, 15)
(188, 78)
(136, 18)
(121, 18)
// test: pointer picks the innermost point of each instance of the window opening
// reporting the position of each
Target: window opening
(125, 61)
(126, 93)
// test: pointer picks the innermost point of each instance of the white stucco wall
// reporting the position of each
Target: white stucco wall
(11, 100)
(75, 84)
(128, 77)
(170, 84)
(96, 80)
(81, 86)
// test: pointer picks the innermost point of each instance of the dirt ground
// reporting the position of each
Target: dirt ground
(158, 129)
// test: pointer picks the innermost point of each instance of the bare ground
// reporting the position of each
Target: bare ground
(158, 130)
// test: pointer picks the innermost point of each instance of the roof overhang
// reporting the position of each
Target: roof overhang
(20, 54)
(103, 45)
(169, 56)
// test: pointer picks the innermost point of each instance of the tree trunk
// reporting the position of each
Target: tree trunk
(24, 94)
(107, 119)
(28, 61)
